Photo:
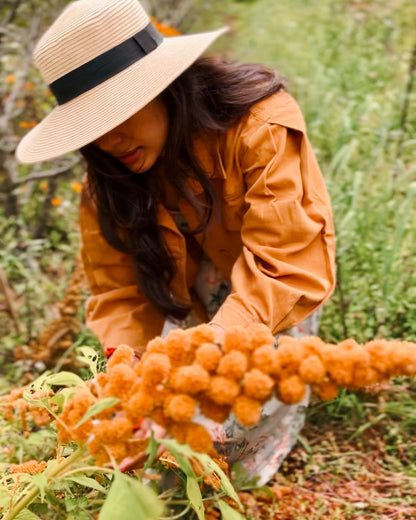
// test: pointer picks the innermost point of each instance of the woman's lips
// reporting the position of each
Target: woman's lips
(132, 156)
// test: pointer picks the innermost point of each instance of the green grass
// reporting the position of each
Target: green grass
(348, 67)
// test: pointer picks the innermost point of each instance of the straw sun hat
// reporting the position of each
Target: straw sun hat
(103, 61)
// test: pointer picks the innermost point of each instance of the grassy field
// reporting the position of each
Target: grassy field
(349, 65)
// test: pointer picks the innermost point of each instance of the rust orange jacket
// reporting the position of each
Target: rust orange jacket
(274, 238)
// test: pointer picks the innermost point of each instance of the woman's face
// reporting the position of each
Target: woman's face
(139, 141)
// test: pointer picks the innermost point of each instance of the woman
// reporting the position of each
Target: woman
(203, 199)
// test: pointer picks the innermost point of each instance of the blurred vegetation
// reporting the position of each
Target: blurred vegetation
(349, 65)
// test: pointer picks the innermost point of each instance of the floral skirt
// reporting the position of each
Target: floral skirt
(256, 452)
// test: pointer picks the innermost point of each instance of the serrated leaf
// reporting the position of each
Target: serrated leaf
(87, 482)
(41, 482)
(129, 499)
(227, 512)
(98, 407)
(195, 498)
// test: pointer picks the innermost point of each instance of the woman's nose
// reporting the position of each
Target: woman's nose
(109, 141)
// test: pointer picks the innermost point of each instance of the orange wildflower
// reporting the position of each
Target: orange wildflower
(122, 354)
(10, 78)
(202, 334)
(29, 86)
(156, 345)
(327, 390)
(155, 369)
(27, 124)
(180, 408)
(289, 354)
(236, 338)
(199, 439)
(178, 347)
(56, 201)
(264, 358)
(31, 467)
(76, 187)
(208, 356)
(257, 385)
(121, 381)
(247, 410)
(214, 411)
(190, 379)
(312, 370)
(167, 30)
(233, 365)
(291, 390)
(223, 390)
(261, 335)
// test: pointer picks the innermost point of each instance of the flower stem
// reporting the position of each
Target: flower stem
(32, 490)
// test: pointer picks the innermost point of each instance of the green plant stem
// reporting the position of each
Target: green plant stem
(32, 491)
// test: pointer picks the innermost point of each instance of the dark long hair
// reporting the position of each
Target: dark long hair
(211, 95)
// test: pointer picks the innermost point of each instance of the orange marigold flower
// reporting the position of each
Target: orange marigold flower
(291, 390)
(236, 338)
(190, 379)
(247, 410)
(216, 412)
(157, 344)
(180, 408)
(327, 390)
(56, 201)
(208, 356)
(76, 187)
(199, 439)
(261, 335)
(178, 347)
(233, 365)
(155, 368)
(123, 354)
(264, 358)
(257, 385)
(31, 467)
(312, 370)
(223, 390)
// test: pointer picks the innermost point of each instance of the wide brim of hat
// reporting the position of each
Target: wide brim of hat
(80, 121)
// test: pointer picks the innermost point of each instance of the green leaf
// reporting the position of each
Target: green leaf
(227, 512)
(90, 357)
(87, 482)
(25, 514)
(64, 379)
(178, 450)
(151, 450)
(129, 499)
(195, 498)
(41, 482)
(98, 407)
(211, 466)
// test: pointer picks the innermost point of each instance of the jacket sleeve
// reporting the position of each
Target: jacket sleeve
(286, 268)
(116, 312)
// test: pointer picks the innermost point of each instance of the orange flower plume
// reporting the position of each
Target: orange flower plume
(186, 373)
